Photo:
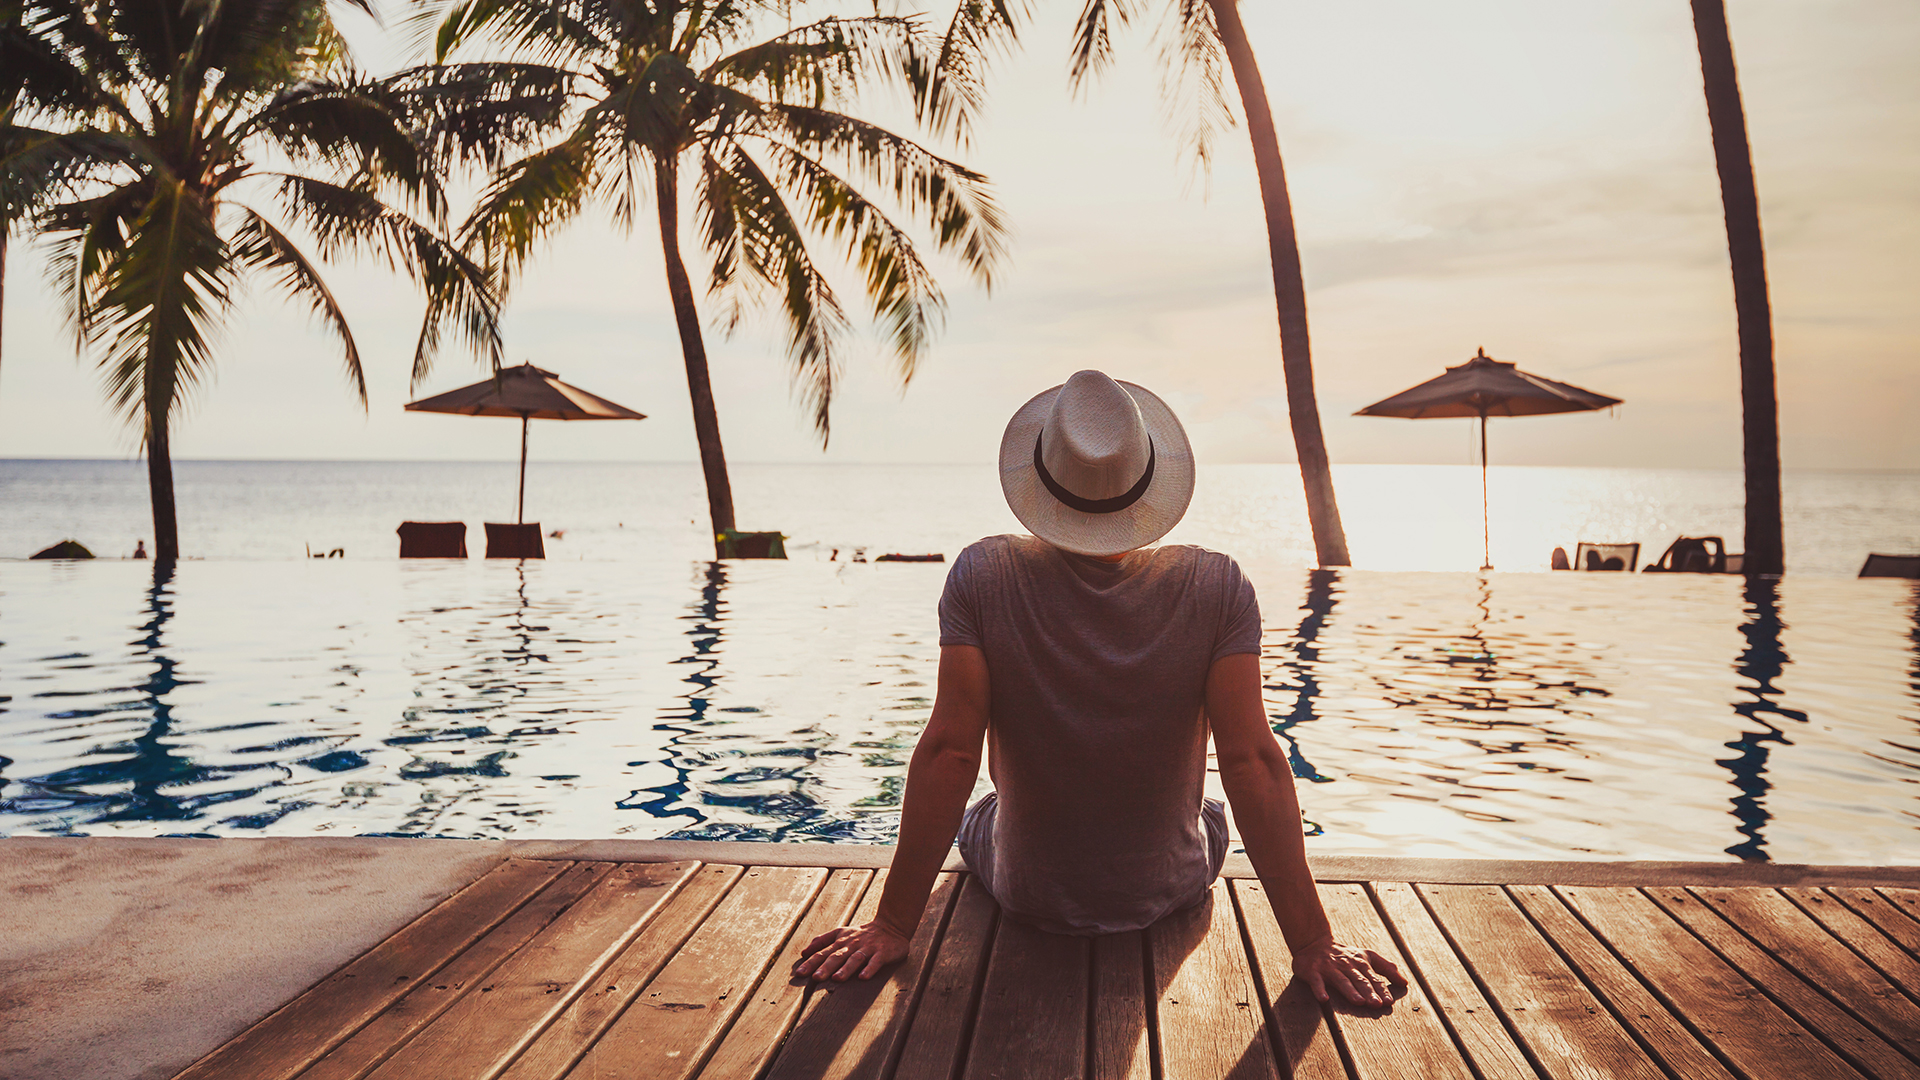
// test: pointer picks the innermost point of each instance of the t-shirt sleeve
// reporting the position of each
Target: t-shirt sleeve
(1239, 615)
(959, 619)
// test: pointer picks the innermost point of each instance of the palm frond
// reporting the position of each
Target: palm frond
(741, 208)
(348, 220)
(258, 245)
(1092, 51)
(1193, 79)
(37, 166)
(347, 127)
(258, 46)
(479, 112)
(951, 96)
(527, 202)
(84, 237)
(554, 31)
(828, 59)
(905, 297)
(955, 201)
(158, 302)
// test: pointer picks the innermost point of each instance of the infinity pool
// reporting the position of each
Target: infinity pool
(1514, 716)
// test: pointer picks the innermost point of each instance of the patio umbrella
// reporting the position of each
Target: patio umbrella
(530, 394)
(1486, 387)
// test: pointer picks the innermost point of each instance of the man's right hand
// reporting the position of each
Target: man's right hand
(1362, 976)
(851, 951)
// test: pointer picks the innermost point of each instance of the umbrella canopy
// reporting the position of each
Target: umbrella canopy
(526, 392)
(1486, 387)
(530, 394)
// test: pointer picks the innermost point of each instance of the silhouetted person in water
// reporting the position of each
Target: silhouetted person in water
(140, 549)
(1097, 667)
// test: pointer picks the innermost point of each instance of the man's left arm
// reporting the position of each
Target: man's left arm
(1259, 782)
(945, 765)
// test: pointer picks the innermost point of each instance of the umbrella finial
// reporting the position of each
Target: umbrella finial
(1481, 353)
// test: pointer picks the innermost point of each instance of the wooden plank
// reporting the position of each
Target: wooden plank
(943, 1020)
(667, 1032)
(1295, 1017)
(308, 1026)
(1860, 935)
(1788, 935)
(1208, 1011)
(1476, 1025)
(1659, 1030)
(1905, 901)
(1752, 1033)
(763, 1022)
(1032, 1023)
(1883, 913)
(486, 1029)
(430, 997)
(855, 1029)
(1405, 1039)
(552, 1050)
(1569, 1032)
(1122, 1048)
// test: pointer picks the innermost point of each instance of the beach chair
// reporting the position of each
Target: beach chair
(1624, 557)
(1693, 555)
(433, 539)
(1906, 566)
(515, 541)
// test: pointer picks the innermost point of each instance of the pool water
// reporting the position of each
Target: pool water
(1434, 714)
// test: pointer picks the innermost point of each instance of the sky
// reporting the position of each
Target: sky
(1532, 178)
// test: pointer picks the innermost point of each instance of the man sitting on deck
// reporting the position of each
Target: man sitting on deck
(1096, 667)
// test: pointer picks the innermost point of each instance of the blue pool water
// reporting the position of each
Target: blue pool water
(638, 691)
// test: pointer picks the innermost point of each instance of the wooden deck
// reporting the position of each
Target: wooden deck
(548, 968)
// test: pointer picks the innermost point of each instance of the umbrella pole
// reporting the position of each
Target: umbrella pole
(520, 507)
(1486, 532)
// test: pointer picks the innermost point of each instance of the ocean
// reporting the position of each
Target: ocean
(629, 686)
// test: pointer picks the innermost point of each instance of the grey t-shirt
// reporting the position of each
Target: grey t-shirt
(1097, 734)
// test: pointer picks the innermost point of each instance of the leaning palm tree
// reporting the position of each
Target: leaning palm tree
(678, 94)
(1759, 406)
(1203, 42)
(216, 131)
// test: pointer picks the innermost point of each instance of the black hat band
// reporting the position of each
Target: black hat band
(1094, 506)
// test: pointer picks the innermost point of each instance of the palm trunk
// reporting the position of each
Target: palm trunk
(3, 281)
(166, 527)
(1289, 291)
(706, 421)
(1760, 409)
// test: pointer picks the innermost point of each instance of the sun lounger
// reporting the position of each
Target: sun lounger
(1623, 557)
(1696, 555)
(1905, 566)
(505, 541)
(433, 539)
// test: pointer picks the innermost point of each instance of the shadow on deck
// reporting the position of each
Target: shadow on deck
(580, 968)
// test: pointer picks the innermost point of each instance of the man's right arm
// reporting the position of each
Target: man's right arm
(945, 765)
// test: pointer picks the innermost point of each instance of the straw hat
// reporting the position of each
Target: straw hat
(1096, 466)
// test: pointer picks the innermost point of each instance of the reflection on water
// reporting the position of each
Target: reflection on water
(1763, 661)
(1544, 716)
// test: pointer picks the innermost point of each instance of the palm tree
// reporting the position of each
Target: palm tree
(674, 91)
(207, 122)
(1199, 32)
(1759, 406)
